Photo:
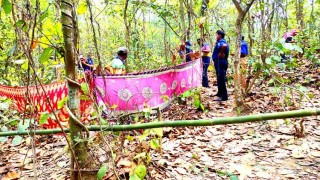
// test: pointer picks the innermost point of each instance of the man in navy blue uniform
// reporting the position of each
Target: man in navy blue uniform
(220, 58)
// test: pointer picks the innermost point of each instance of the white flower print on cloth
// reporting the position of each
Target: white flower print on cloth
(174, 84)
(147, 92)
(183, 83)
(190, 80)
(124, 94)
(163, 88)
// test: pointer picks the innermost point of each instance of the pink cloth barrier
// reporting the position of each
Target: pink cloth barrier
(133, 92)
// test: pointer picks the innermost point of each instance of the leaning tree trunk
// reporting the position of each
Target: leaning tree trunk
(237, 85)
(82, 161)
(182, 19)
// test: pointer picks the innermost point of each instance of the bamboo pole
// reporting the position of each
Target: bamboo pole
(181, 123)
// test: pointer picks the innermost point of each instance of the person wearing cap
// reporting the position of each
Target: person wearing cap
(288, 37)
(117, 65)
(220, 58)
(205, 49)
(243, 63)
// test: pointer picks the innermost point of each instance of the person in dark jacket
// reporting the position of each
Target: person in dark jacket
(220, 58)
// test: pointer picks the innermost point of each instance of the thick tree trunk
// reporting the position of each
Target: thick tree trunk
(183, 23)
(299, 13)
(237, 81)
(79, 147)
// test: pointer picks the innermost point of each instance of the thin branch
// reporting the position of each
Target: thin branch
(183, 123)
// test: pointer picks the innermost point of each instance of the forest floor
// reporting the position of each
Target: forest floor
(262, 150)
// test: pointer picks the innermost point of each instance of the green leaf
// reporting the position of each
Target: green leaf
(22, 127)
(25, 65)
(7, 6)
(154, 144)
(4, 106)
(43, 118)
(20, 23)
(85, 88)
(46, 54)
(43, 16)
(12, 49)
(3, 139)
(158, 131)
(134, 177)
(268, 61)
(4, 128)
(62, 102)
(197, 103)
(16, 140)
(102, 171)
(303, 89)
(141, 171)
(234, 177)
(140, 155)
(82, 8)
(129, 138)
(202, 107)
(186, 94)
(221, 173)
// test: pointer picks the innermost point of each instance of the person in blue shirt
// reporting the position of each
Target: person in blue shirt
(205, 49)
(87, 65)
(243, 63)
(220, 58)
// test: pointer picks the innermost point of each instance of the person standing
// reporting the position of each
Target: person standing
(243, 63)
(205, 49)
(87, 65)
(220, 57)
(117, 64)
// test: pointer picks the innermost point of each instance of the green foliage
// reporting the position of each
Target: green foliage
(85, 88)
(62, 102)
(44, 116)
(141, 171)
(17, 140)
(7, 6)
(102, 171)
(195, 94)
(46, 54)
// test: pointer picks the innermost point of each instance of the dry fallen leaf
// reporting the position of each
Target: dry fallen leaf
(11, 175)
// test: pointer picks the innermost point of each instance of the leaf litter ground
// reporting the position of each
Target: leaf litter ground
(263, 150)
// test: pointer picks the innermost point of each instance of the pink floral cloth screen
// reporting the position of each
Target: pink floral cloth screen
(154, 89)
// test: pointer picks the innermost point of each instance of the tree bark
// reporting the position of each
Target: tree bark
(299, 13)
(127, 25)
(237, 82)
(79, 147)
(183, 23)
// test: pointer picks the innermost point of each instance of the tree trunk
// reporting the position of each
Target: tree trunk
(299, 13)
(250, 32)
(79, 147)
(237, 81)
(127, 25)
(183, 24)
